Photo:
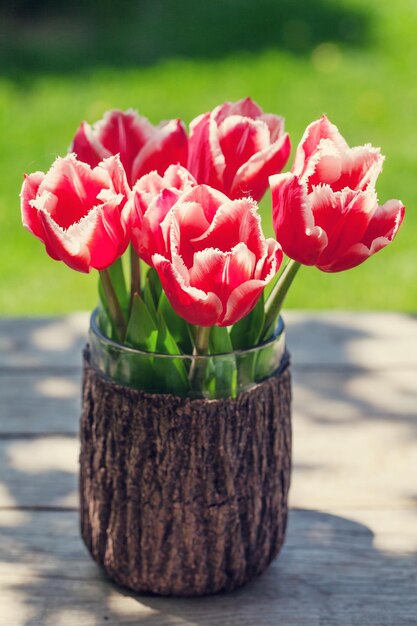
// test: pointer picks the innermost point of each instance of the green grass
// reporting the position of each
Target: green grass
(369, 92)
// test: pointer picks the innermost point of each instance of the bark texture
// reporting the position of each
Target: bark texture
(184, 497)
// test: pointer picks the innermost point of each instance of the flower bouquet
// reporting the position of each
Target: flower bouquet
(185, 428)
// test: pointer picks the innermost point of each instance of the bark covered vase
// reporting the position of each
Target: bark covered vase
(184, 495)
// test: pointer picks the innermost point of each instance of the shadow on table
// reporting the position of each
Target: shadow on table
(346, 374)
(38, 457)
(331, 386)
(328, 573)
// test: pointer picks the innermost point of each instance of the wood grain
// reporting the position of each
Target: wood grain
(333, 571)
(348, 560)
(367, 340)
(40, 402)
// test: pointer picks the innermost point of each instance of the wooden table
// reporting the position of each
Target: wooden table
(351, 552)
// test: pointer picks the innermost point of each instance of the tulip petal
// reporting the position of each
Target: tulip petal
(244, 108)
(221, 272)
(118, 128)
(269, 264)
(124, 133)
(152, 198)
(242, 300)
(251, 179)
(76, 187)
(205, 158)
(167, 145)
(361, 168)
(207, 270)
(210, 199)
(382, 229)
(235, 221)
(105, 237)
(149, 185)
(148, 230)
(313, 135)
(293, 220)
(384, 224)
(187, 222)
(240, 138)
(87, 147)
(61, 246)
(30, 218)
(194, 305)
(240, 267)
(179, 177)
(324, 167)
(117, 174)
(344, 216)
(275, 124)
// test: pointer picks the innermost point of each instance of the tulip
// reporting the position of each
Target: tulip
(76, 211)
(142, 147)
(152, 198)
(218, 261)
(326, 211)
(236, 147)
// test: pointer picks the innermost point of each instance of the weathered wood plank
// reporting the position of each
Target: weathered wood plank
(39, 472)
(44, 342)
(368, 340)
(40, 403)
(351, 339)
(50, 403)
(334, 571)
(355, 422)
(354, 445)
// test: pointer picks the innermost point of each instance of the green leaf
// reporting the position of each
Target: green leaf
(153, 285)
(119, 284)
(224, 375)
(171, 372)
(142, 330)
(149, 299)
(177, 326)
(247, 332)
(116, 275)
(220, 341)
(105, 320)
(166, 342)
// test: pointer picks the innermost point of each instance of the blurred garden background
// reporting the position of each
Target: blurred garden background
(61, 63)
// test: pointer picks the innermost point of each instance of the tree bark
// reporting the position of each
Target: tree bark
(184, 497)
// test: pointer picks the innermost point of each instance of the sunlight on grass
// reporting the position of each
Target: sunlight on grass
(371, 94)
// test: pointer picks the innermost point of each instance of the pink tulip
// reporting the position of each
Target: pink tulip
(76, 211)
(236, 147)
(152, 197)
(218, 261)
(142, 147)
(326, 211)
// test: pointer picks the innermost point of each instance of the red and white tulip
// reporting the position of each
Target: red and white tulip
(326, 211)
(236, 147)
(151, 199)
(217, 260)
(142, 146)
(76, 211)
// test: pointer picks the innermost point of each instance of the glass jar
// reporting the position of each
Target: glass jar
(212, 376)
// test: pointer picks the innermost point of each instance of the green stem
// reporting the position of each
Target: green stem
(115, 310)
(277, 296)
(198, 366)
(201, 341)
(134, 275)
